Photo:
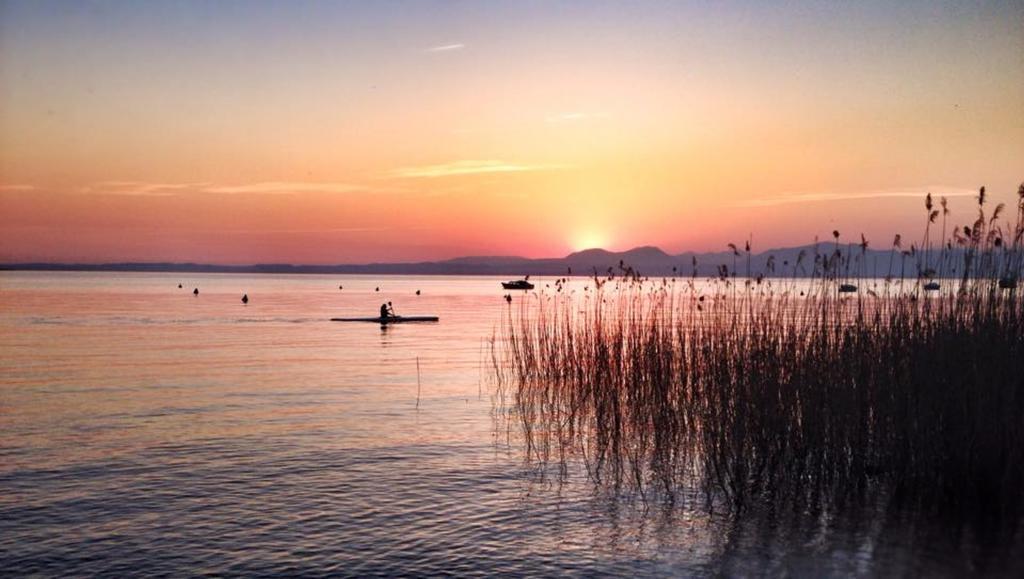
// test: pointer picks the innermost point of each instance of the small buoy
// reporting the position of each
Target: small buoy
(339, 287)
(179, 286)
(508, 298)
(195, 292)
(245, 298)
(417, 292)
(377, 289)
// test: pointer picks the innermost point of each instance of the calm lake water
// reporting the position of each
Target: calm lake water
(148, 431)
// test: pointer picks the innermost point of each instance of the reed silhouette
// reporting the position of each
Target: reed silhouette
(773, 390)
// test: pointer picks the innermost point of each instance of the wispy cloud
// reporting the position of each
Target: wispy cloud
(278, 187)
(574, 117)
(17, 187)
(140, 188)
(306, 231)
(471, 167)
(260, 188)
(818, 197)
(447, 47)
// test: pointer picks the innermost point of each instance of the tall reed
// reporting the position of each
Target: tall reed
(779, 390)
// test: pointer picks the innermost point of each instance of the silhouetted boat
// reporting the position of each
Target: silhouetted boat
(1008, 283)
(519, 284)
(931, 286)
(389, 319)
(847, 288)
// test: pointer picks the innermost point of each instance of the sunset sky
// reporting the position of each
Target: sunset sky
(335, 132)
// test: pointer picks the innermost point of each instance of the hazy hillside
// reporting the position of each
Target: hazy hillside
(646, 260)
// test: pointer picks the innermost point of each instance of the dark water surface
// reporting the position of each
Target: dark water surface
(147, 431)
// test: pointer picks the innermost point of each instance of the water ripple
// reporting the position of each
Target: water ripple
(148, 432)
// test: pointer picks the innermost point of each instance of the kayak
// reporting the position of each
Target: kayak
(389, 320)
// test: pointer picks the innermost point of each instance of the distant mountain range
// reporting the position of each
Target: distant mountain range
(647, 260)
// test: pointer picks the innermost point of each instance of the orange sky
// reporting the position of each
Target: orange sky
(346, 132)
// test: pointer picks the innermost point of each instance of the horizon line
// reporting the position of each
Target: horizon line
(38, 264)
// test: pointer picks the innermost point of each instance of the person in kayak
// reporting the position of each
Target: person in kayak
(386, 311)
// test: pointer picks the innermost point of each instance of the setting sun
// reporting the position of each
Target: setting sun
(589, 239)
